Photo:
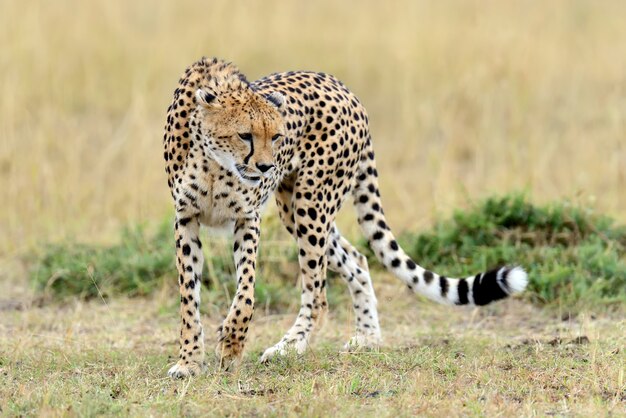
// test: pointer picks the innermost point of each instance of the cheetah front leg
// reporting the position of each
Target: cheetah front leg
(233, 331)
(189, 261)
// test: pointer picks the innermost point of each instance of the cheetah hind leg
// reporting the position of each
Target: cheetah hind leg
(352, 266)
(320, 306)
(313, 261)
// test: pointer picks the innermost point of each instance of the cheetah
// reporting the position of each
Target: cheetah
(303, 136)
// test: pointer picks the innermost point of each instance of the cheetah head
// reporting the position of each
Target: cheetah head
(240, 129)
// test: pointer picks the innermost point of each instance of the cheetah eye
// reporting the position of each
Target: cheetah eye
(246, 136)
(275, 137)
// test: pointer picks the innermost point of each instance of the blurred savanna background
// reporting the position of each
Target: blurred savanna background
(467, 100)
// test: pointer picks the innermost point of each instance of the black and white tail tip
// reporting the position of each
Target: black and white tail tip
(498, 284)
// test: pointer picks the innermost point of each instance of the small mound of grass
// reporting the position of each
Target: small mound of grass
(142, 262)
(132, 267)
(573, 256)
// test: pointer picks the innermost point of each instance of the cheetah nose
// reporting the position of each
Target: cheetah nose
(263, 168)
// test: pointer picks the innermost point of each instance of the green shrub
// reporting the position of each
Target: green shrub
(131, 267)
(141, 262)
(572, 255)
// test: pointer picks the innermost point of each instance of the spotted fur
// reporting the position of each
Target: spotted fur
(230, 144)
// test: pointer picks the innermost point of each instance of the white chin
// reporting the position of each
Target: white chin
(231, 166)
(249, 182)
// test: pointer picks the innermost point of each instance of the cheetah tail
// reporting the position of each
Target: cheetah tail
(480, 289)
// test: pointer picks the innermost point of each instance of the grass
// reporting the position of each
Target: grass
(106, 355)
(142, 262)
(108, 351)
(575, 258)
(466, 100)
(509, 359)
(133, 267)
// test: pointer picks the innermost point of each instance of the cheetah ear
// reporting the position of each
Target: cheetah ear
(276, 99)
(207, 99)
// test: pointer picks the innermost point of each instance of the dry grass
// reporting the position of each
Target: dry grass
(466, 99)
(507, 360)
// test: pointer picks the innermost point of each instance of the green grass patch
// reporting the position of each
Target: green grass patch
(132, 267)
(143, 261)
(574, 257)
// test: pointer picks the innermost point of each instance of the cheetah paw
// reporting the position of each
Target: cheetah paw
(181, 371)
(363, 342)
(229, 358)
(283, 348)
